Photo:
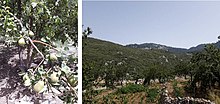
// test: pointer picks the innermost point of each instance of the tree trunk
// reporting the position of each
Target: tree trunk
(136, 81)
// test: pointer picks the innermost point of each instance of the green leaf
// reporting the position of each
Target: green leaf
(65, 68)
(66, 48)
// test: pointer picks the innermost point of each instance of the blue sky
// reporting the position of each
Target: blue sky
(172, 23)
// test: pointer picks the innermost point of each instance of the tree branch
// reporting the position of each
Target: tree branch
(38, 52)
(43, 43)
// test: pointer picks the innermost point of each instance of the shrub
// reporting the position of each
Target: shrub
(177, 90)
(132, 88)
(152, 94)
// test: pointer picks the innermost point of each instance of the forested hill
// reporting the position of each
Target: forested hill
(100, 52)
(158, 46)
(146, 46)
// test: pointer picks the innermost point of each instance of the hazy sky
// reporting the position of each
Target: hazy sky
(177, 24)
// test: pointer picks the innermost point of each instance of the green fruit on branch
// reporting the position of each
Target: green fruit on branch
(54, 77)
(21, 42)
(72, 82)
(53, 57)
(38, 87)
(31, 34)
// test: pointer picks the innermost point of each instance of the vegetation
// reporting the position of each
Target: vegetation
(214, 97)
(152, 94)
(117, 65)
(177, 90)
(45, 32)
(132, 88)
(205, 69)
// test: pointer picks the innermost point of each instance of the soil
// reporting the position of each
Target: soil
(169, 88)
(12, 90)
(105, 93)
(137, 98)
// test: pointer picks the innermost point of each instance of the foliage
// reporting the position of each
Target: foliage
(131, 88)
(47, 27)
(115, 63)
(205, 68)
(177, 90)
(88, 76)
(182, 68)
(157, 71)
(152, 94)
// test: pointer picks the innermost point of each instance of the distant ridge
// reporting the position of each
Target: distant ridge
(157, 46)
(198, 48)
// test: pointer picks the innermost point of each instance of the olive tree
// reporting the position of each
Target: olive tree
(205, 68)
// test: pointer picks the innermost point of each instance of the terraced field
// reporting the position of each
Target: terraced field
(133, 98)
(150, 96)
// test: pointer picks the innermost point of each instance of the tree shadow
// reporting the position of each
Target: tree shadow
(10, 81)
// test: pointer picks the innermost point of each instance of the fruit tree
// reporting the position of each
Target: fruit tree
(45, 32)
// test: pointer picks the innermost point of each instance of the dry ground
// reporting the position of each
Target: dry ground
(136, 98)
(12, 90)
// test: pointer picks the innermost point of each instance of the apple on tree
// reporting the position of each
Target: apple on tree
(54, 77)
(30, 33)
(21, 42)
(72, 81)
(53, 57)
(38, 87)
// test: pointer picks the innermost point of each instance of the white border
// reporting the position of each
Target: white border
(79, 51)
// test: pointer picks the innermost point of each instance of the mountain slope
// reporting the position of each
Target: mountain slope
(198, 48)
(99, 52)
(157, 46)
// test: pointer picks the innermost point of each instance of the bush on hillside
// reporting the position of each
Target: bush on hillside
(131, 88)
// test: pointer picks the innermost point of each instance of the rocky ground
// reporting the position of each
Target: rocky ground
(12, 90)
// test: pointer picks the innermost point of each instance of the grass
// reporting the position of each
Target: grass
(132, 88)
(142, 98)
(214, 97)
(177, 90)
(109, 99)
(152, 94)
(139, 94)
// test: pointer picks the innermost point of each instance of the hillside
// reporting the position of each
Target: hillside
(117, 73)
(158, 46)
(99, 52)
(197, 48)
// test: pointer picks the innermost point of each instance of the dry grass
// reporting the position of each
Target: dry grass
(214, 97)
